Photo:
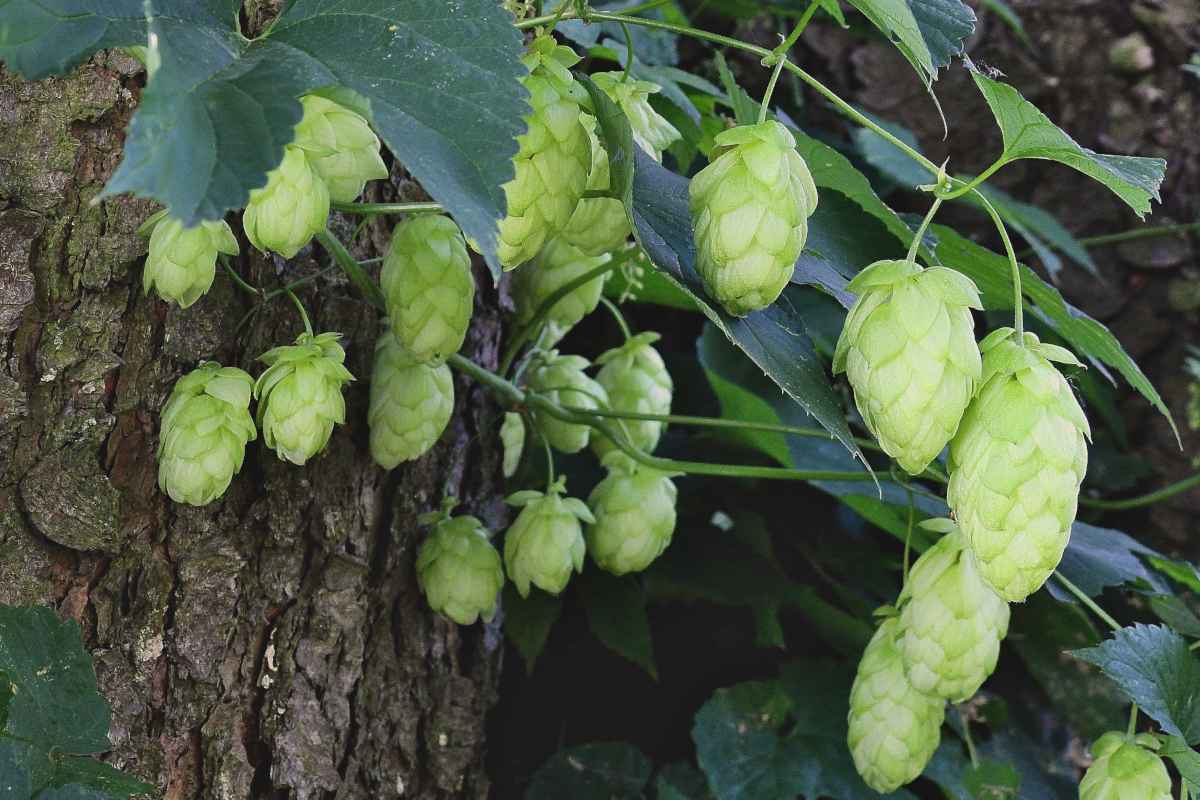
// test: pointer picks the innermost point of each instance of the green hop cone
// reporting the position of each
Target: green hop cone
(908, 347)
(562, 379)
(636, 381)
(599, 224)
(1017, 462)
(459, 569)
(651, 130)
(545, 543)
(300, 395)
(411, 403)
(427, 281)
(951, 621)
(182, 262)
(1125, 769)
(292, 208)
(894, 729)
(635, 518)
(557, 265)
(512, 437)
(341, 147)
(205, 426)
(554, 155)
(750, 210)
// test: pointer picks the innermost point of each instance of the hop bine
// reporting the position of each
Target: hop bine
(458, 568)
(182, 262)
(411, 403)
(545, 543)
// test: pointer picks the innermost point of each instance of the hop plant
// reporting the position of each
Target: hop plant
(341, 147)
(411, 403)
(908, 347)
(651, 131)
(562, 379)
(634, 509)
(1126, 768)
(1017, 462)
(458, 568)
(557, 265)
(750, 210)
(636, 380)
(300, 395)
(428, 285)
(554, 155)
(205, 426)
(545, 543)
(512, 437)
(182, 262)
(599, 224)
(292, 208)
(893, 728)
(951, 621)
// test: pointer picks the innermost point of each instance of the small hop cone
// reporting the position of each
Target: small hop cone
(635, 518)
(427, 281)
(599, 224)
(908, 347)
(562, 379)
(512, 437)
(545, 543)
(636, 381)
(651, 131)
(951, 621)
(411, 403)
(459, 570)
(182, 262)
(292, 208)
(750, 210)
(1017, 462)
(554, 155)
(557, 265)
(205, 426)
(300, 395)
(341, 147)
(1125, 769)
(894, 729)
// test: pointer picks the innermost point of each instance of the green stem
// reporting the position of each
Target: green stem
(296, 284)
(308, 328)
(920, 234)
(966, 726)
(618, 316)
(1018, 295)
(1146, 499)
(778, 58)
(1087, 601)
(375, 209)
(534, 22)
(238, 280)
(974, 183)
(549, 460)
(912, 513)
(628, 52)
(1133, 716)
(1150, 232)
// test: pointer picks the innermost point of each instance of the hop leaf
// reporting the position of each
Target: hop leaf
(557, 265)
(750, 210)
(951, 621)
(894, 729)
(512, 436)
(1124, 770)
(428, 285)
(287, 212)
(651, 131)
(341, 147)
(561, 379)
(636, 381)
(459, 570)
(205, 426)
(300, 395)
(1017, 462)
(411, 403)
(635, 519)
(909, 349)
(599, 224)
(182, 262)
(545, 543)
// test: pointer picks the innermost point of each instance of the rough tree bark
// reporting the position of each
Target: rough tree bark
(275, 643)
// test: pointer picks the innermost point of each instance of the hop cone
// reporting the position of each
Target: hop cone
(553, 159)
(557, 265)
(340, 146)
(430, 291)
(651, 131)
(545, 543)
(894, 728)
(599, 224)
(411, 403)
(1017, 462)
(1125, 770)
(512, 437)
(635, 519)
(287, 212)
(562, 379)
(182, 261)
(908, 347)
(300, 395)
(951, 621)
(636, 380)
(205, 426)
(750, 210)
(459, 570)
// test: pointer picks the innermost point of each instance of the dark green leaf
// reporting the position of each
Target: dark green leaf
(1175, 612)
(737, 403)
(680, 781)
(651, 46)
(992, 780)
(616, 612)
(618, 142)
(1183, 572)
(528, 620)
(1186, 760)
(1100, 557)
(745, 108)
(598, 771)
(944, 25)
(648, 286)
(16, 782)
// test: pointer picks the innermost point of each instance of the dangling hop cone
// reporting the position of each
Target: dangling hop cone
(459, 570)
(545, 543)
(182, 262)
(411, 403)
(1125, 769)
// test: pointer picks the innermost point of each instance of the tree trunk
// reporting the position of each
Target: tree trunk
(273, 644)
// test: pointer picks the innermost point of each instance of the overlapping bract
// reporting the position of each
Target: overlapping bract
(182, 262)
(750, 210)
(561, 378)
(557, 265)
(459, 570)
(545, 543)
(411, 403)
(340, 146)
(599, 224)
(651, 130)
(636, 381)
(292, 208)
(635, 519)
(1017, 462)
(908, 348)
(1125, 769)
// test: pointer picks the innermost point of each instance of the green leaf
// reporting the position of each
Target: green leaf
(1152, 664)
(992, 780)
(528, 620)
(16, 782)
(1028, 133)
(598, 771)
(647, 286)
(1100, 557)
(896, 20)
(1175, 612)
(1186, 760)
(737, 403)
(944, 25)
(680, 781)
(616, 612)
